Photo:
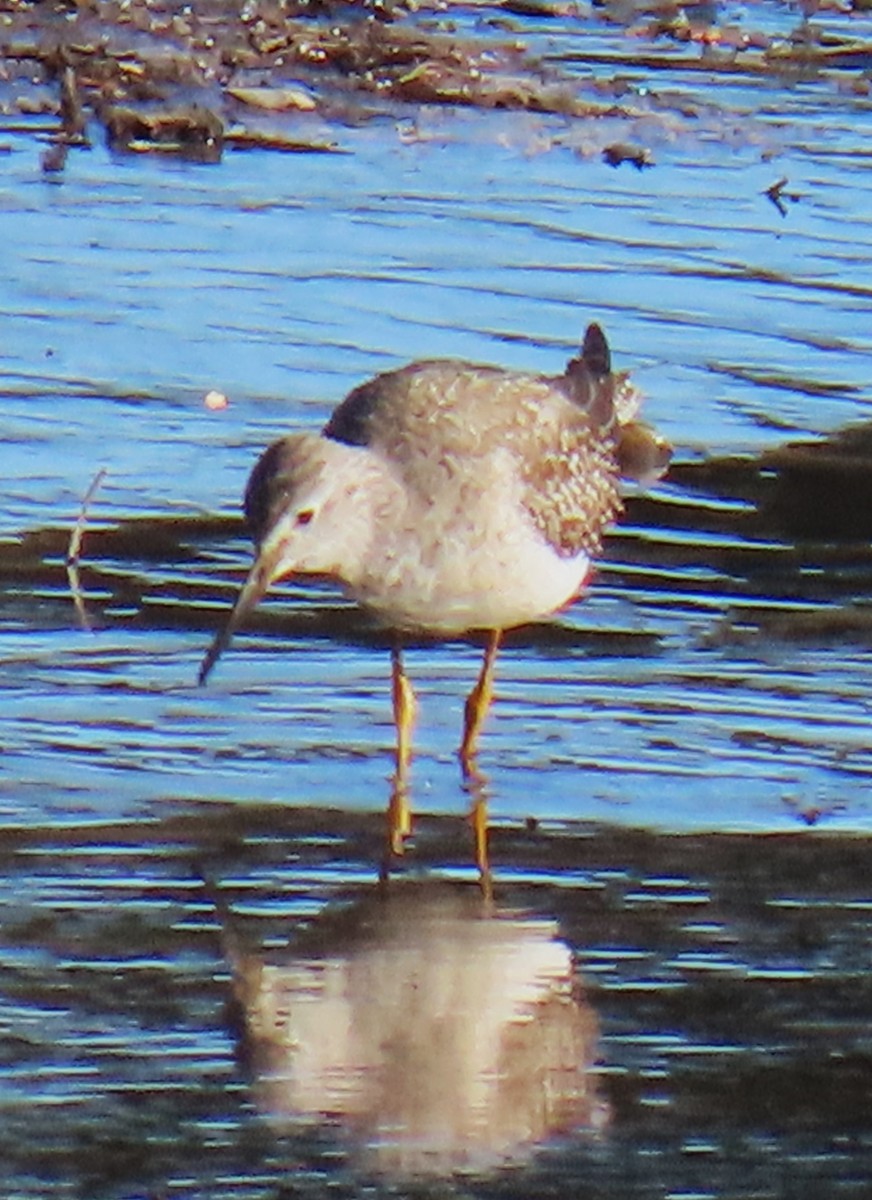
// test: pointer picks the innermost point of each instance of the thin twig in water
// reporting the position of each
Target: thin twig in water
(778, 195)
(75, 549)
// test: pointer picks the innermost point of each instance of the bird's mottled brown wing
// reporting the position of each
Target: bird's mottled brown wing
(571, 489)
(427, 408)
(443, 418)
(441, 390)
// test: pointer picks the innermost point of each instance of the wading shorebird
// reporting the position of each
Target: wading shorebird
(447, 497)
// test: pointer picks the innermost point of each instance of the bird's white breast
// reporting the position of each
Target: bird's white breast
(471, 559)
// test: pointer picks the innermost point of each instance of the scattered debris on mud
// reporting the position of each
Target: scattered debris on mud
(196, 78)
(620, 152)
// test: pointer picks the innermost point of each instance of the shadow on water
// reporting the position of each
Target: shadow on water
(761, 525)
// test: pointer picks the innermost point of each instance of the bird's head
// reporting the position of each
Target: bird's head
(307, 504)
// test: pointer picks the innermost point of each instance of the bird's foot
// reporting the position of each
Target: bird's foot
(399, 818)
(475, 782)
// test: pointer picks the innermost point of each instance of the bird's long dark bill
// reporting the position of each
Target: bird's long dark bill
(255, 587)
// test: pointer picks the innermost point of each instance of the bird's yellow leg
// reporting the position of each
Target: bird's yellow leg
(405, 709)
(477, 704)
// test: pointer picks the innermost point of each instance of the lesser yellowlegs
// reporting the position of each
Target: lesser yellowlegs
(446, 497)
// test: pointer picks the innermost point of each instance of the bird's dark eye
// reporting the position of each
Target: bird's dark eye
(305, 516)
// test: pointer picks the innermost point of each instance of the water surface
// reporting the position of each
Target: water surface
(678, 766)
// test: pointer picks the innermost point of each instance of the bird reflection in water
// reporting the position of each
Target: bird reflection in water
(435, 1033)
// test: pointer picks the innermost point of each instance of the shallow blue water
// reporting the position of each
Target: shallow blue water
(130, 287)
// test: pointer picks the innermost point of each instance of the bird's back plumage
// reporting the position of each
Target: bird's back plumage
(443, 425)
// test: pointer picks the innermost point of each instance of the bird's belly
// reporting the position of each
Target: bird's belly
(468, 582)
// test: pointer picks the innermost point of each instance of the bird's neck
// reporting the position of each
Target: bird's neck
(370, 501)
